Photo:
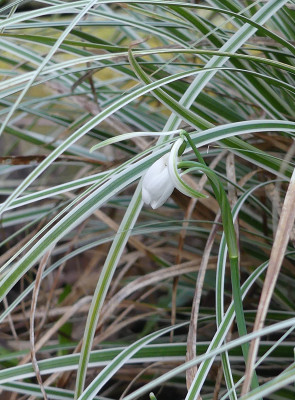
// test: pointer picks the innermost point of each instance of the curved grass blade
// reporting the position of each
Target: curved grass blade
(106, 374)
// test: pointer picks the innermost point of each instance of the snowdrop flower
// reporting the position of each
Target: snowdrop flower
(164, 176)
(157, 185)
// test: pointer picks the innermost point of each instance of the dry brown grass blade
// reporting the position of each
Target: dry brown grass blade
(14, 249)
(90, 105)
(10, 320)
(126, 307)
(217, 387)
(57, 277)
(192, 334)
(276, 258)
(113, 225)
(52, 313)
(132, 382)
(77, 307)
(118, 327)
(149, 279)
(287, 160)
(130, 260)
(38, 158)
(181, 239)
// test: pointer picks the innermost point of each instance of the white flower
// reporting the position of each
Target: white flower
(157, 185)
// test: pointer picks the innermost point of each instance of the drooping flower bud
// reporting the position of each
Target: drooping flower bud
(157, 185)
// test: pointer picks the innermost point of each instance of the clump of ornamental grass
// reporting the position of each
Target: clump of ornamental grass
(147, 200)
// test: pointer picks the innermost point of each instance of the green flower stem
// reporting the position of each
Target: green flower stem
(186, 135)
(221, 197)
(231, 241)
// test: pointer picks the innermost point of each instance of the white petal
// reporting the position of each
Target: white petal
(146, 196)
(156, 184)
(157, 167)
(166, 193)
